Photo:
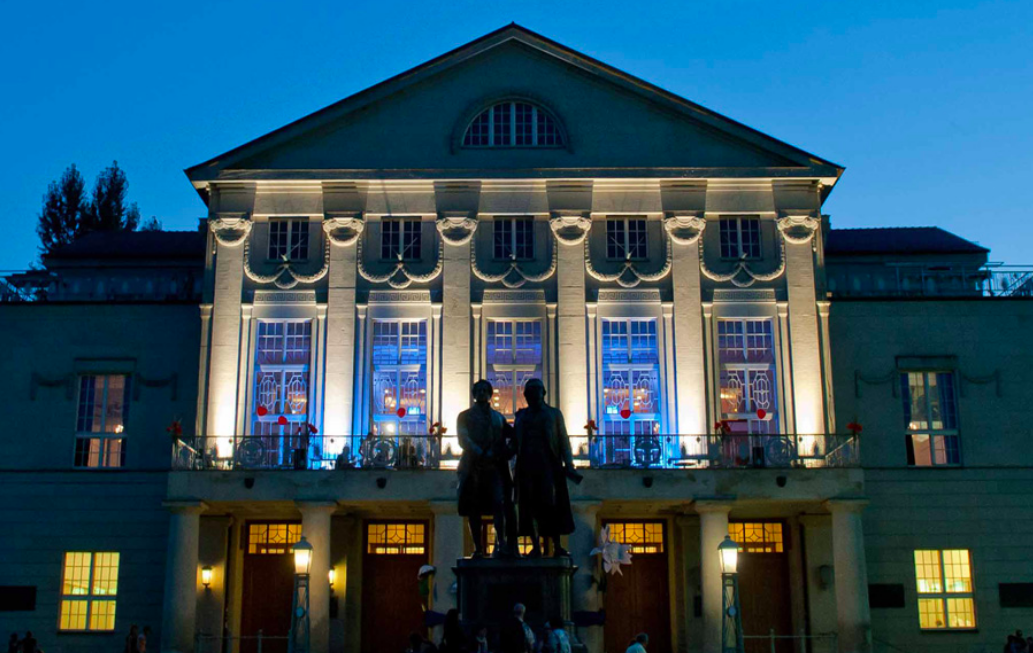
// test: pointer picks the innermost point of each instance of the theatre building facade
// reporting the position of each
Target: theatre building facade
(846, 404)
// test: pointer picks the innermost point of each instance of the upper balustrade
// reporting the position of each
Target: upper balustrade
(925, 280)
(430, 452)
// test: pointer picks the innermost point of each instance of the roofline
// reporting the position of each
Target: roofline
(648, 86)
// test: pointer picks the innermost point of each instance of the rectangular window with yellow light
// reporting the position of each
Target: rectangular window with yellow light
(946, 599)
(89, 591)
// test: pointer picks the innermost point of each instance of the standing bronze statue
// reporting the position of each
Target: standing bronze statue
(485, 484)
(544, 463)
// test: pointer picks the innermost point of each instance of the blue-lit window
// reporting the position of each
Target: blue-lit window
(288, 239)
(931, 418)
(100, 424)
(514, 356)
(400, 238)
(740, 237)
(514, 238)
(631, 401)
(746, 365)
(513, 124)
(283, 354)
(626, 238)
(399, 401)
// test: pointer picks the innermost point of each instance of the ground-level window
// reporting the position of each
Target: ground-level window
(399, 377)
(945, 589)
(746, 368)
(640, 537)
(100, 426)
(89, 590)
(930, 418)
(757, 537)
(514, 356)
(396, 538)
(272, 538)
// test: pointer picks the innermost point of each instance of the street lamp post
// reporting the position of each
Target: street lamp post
(299, 635)
(731, 620)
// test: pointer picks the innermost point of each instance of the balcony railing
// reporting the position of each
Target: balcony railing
(328, 452)
(992, 280)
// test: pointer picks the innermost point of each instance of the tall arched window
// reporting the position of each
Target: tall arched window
(513, 124)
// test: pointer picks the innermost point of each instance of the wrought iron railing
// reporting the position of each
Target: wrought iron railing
(311, 452)
(413, 452)
(948, 280)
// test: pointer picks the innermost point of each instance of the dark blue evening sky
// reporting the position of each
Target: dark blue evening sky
(927, 104)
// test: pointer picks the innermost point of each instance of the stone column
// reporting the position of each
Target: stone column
(571, 232)
(339, 403)
(826, 358)
(315, 527)
(713, 527)
(853, 619)
(457, 232)
(690, 346)
(230, 231)
(804, 344)
(202, 369)
(584, 593)
(448, 547)
(179, 616)
(688, 578)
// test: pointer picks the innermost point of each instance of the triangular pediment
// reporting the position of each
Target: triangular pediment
(412, 124)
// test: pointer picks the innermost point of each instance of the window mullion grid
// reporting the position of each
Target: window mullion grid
(512, 124)
(534, 125)
(89, 589)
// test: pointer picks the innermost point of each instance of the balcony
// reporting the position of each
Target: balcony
(948, 280)
(429, 452)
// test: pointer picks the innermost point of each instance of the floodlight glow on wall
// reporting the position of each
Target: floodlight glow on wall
(333, 576)
(302, 557)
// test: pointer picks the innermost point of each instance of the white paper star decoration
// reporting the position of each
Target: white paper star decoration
(614, 554)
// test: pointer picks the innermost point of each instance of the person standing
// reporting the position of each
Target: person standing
(132, 639)
(544, 463)
(557, 641)
(29, 644)
(638, 645)
(517, 636)
(480, 640)
(141, 643)
(453, 639)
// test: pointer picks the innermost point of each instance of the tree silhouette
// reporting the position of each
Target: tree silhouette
(68, 214)
(108, 209)
(64, 211)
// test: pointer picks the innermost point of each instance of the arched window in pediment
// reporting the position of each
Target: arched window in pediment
(513, 123)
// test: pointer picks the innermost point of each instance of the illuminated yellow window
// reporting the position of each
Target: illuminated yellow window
(396, 538)
(272, 539)
(640, 537)
(944, 583)
(89, 590)
(488, 539)
(757, 537)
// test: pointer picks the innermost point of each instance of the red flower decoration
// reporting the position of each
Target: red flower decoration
(401, 412)
(312, 429)
(761, 413)
(281, 420)
(590, 426)
(625, 413)
(262, 411)
(854, 428)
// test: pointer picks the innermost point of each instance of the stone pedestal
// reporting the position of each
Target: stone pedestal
(489, 588)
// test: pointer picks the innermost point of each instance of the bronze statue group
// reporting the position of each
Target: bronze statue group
(532, 500)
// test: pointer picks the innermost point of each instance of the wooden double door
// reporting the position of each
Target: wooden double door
(268, 590)
(764, 586)
(638, 599)
(392, 605)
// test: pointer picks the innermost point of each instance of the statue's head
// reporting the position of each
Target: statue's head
(534, 392)
(482, 392)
